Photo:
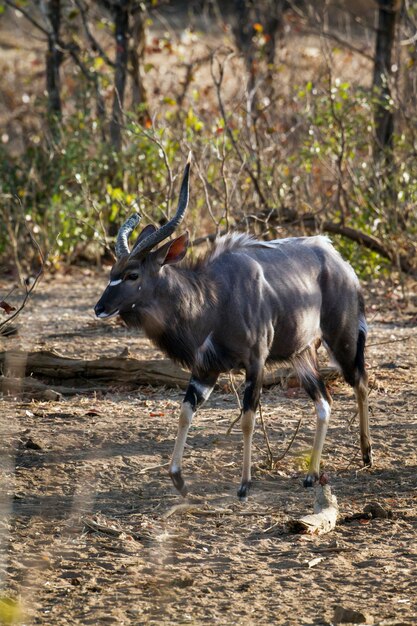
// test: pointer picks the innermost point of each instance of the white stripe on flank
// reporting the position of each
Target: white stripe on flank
(113, 283)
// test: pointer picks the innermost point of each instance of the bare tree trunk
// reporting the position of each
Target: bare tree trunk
(273, 26)
(136, 53)
(383, 116)
(243, 32)
(53, 58)
(267, 13)
(129, 29)
(121, 23)
(410, 74)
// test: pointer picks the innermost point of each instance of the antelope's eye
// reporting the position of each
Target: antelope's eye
(132, 276)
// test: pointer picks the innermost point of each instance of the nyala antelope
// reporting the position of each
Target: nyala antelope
(246, 304)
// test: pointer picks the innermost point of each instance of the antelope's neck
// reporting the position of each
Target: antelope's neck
(180, 317)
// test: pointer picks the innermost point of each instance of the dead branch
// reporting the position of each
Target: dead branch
(51, 366)
(28, 290)
(102, 525)
(368, 241)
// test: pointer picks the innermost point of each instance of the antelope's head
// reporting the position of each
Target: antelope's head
(132, 278)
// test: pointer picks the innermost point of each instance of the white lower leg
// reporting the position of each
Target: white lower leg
(323, 418)
(184, 423)
(248, 423)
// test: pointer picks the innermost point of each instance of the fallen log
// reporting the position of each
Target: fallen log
(119, 369)
(326, 510)
(123, 369)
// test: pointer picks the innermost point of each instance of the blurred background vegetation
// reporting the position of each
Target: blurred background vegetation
(301, 117)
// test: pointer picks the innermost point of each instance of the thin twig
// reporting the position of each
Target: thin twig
(101, 238)
(208, 203)
(235, 391)
(268, 445)
(350, 462)
(229, 430)
(218, 85)
(232, 384)
(32, 287)
(189, 68)
(157, 142)
(383, 343)
(288, 448)
(93, 41)
(342, 42)
(27, 295)
(28, 16)
(152, 467)
(9, 293)
(91, 77)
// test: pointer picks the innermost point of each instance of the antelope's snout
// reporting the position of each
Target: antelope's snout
(100, 310)
(104, 308)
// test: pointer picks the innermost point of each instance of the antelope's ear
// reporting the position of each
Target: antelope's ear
(173, 251)
(148, 230)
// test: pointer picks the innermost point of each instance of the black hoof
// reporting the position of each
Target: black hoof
(179, 483)
(310, 480)
(367, 457)
(243, 491)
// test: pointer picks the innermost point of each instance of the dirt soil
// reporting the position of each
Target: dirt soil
(102, 459)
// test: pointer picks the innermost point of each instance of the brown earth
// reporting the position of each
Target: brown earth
(103, 459)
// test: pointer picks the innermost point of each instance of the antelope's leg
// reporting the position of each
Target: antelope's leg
(361, 392)
(250, 404)
(323, 418)
(198, 391)
(306, 367)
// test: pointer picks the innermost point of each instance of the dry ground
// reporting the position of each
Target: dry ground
(106, 456)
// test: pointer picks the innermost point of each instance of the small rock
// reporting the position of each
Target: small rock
(377, 510)
(344, 615)
(51, 395)
(32, 445)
